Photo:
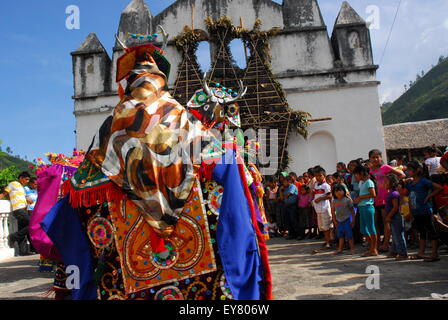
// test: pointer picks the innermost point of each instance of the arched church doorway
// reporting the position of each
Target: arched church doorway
(322, 150)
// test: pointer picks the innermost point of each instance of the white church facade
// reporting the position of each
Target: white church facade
(326, 76)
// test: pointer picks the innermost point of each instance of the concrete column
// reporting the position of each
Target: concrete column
(5, 211)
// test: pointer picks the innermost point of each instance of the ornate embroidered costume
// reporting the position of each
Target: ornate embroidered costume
(145, 219)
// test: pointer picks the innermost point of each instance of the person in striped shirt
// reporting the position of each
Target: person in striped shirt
(17, 197)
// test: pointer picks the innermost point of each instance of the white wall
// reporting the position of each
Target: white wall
(304, 51)
(181, 15)
(86, 127)
(356, 127)
(93, 77)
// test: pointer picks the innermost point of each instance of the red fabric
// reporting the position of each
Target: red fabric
(260, 237)
(197, 114)
(157, 243)
(206, 171)
(298, 186)
(120, 91)
(441, 198)
(445, 157)
(109, 192)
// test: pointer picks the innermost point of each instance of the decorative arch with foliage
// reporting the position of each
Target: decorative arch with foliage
(265, 105)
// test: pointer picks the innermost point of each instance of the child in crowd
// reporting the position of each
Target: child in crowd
(421, 190)
(343, 214)
(394, 217)
(353, 185)
(400, 164)
(342, 169)
(339, 178)
(290, 193)
(405, 211)
(366, 208)
(305, 210)
(311, 179)
(281, 219)
(272, 228)
(321, 203)
(271, 195)
(379, 171)
(295, 181)
(329, 180)
(306, 178)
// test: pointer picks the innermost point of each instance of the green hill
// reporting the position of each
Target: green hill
(427, 99)
(7, 160)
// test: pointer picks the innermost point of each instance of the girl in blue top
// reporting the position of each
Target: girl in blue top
(365, 202)
(421, 190)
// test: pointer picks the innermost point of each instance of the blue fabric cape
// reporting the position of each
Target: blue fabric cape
(63, 226)
(236, 237)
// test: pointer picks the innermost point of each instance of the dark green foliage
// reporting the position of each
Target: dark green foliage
(10, 168)
(8, 175)
(7, 161)
(427, 99)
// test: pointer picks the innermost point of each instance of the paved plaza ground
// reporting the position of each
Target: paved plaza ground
(297, 275)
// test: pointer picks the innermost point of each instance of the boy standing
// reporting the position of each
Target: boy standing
(19, 204)
(321, 203)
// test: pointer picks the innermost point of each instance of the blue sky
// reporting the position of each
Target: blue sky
(36, 66)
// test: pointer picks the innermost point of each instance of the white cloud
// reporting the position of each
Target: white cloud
(445, 24)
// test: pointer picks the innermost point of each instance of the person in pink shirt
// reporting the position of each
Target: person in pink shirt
(305, 211)
(379, 171)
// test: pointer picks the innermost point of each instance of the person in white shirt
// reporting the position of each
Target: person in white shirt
(321, 203)
(432, 162)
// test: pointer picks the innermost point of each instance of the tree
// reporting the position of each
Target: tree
(8, 175)
(441, 59)
(405, 87)
(9, 150)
